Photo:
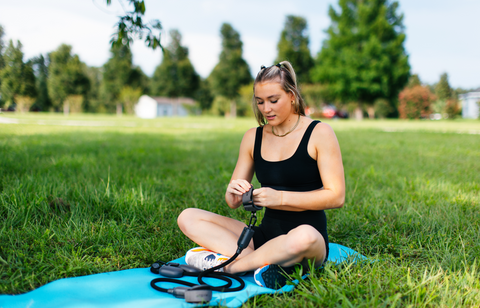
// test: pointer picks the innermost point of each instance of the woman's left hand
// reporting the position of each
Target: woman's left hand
(266, 196)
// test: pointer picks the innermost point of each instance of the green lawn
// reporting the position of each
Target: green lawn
(89, 194)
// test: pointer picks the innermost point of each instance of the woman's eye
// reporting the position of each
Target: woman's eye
(273, 102)
(259, 103)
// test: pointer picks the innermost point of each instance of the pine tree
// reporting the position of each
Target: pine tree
(443, 89)
(413, 81)
(175, 76)
(293, 47)
(232, 71)
(364, 59)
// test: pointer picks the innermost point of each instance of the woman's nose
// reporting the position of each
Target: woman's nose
(268, 107)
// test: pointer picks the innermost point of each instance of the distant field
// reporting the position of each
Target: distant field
(88, 194)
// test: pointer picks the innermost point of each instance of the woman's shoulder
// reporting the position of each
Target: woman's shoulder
(323, 132)
(249, 135)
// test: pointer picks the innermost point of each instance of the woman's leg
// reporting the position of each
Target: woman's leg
(213, 231)
(297, 246)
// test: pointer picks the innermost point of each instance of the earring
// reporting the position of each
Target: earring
(293, 102)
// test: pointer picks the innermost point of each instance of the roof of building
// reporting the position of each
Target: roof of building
(174, 101)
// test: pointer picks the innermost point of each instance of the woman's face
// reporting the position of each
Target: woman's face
(273, 102)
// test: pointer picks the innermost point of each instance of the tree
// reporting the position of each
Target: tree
(119, 72)
(293, 46)
(204, 95)
(232, 71)
(17, 77)
(363, 58)
(447, 100)
(443, 89)
(129, 96)
(175, 76)
(66, 77)
(413, 81)
(1, 63)
(415, 102)
(2, 33)
(43, 101)
(131, 26)
(93, 101)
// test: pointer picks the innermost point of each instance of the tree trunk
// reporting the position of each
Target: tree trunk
(358, 113)
(119, 109)
(66, 108)
(371, 112)
(233, 109)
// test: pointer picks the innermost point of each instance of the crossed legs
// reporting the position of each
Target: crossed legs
(220, 234)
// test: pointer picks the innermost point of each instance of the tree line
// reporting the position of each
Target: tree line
(362, 68)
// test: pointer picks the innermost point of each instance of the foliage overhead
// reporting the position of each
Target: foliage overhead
(175, 76)
(364, 58)
(293, 47)
(232, 71)
(131, 26)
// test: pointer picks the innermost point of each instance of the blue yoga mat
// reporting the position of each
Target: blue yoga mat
(131, 288)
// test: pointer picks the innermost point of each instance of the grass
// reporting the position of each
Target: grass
(77, 199)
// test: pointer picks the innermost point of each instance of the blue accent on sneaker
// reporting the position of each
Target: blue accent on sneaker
(272, 276)
(210, 257)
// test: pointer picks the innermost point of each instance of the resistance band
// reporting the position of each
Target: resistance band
(202, 292)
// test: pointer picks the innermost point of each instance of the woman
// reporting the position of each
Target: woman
(299, 165)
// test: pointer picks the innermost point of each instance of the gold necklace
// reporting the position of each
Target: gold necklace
(296, 124)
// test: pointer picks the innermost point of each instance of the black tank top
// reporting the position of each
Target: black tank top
(297, 173)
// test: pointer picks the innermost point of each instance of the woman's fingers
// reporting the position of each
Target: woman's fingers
(238, 187)
(266, 197)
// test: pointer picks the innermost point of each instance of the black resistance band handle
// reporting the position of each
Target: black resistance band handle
(247, 200)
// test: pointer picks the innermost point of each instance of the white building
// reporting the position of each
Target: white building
(152, 107)
(470, 103)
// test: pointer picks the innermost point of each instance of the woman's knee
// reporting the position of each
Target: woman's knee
(302, 239)
(186, 218)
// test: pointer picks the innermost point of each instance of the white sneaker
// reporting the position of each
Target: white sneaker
(204, 259)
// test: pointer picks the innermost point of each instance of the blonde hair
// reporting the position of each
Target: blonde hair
(284, 74)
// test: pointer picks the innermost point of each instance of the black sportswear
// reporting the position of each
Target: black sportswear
(297, 173)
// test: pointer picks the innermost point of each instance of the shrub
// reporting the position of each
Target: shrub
(73, 104)
(452, 108)
(415, 102)
(24, 103)
(382, 108)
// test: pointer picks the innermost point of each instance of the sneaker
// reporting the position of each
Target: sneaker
(204, 259)
(272, 276)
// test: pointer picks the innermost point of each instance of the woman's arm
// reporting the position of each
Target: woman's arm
(329, 161)
(243, 173)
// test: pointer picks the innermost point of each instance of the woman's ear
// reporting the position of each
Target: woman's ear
(291, 95)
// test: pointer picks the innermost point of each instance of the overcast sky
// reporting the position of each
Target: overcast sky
(442, 35)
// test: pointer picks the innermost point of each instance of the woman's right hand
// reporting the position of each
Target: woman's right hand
(235, 190)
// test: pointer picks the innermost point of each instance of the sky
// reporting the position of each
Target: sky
(442, 35)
